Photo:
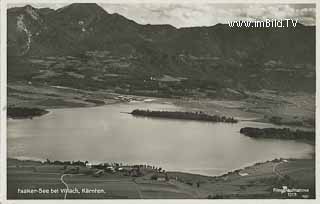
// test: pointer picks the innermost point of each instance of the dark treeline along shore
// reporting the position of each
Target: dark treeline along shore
(22, 112)
(278, 133)
(201, 116)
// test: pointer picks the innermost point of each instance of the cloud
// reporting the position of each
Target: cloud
(187, 15)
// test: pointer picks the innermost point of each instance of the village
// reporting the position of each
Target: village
(104, 169)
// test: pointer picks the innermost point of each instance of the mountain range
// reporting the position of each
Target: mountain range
(241, 58)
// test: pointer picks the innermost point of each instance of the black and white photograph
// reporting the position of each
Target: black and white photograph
(153, 100)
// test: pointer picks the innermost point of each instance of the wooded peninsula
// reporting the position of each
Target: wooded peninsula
(201, 116)
(23, 112)
(278, 133)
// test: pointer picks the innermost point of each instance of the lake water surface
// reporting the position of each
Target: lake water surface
(107, 135)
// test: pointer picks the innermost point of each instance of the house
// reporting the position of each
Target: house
(243, 174)
(161, 179)
(125, 168)
(110, 169)
(92, 165)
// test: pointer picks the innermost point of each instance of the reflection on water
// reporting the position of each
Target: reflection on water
(105, 134)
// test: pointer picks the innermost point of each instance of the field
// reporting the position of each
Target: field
(255, 181)
(292, 109)
(60, 82)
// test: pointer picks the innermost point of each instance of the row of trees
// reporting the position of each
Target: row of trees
(74, 163)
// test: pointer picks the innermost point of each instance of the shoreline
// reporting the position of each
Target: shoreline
(253, 180)
(160, 100)
(186, 103)
(236, 169)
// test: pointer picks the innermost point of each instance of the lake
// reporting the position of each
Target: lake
(106, 134)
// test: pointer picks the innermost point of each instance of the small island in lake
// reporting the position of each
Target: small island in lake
(201, 116)
(278, 133)
(23, 112)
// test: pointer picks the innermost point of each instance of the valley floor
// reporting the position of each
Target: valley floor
(293, 109)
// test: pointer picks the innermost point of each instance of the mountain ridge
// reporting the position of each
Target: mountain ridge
(218, 55)
(69, 17)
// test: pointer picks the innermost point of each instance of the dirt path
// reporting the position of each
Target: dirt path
(64, 183)
(275, 169)
(138, 189)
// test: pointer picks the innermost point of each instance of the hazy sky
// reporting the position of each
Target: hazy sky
(199, 14)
